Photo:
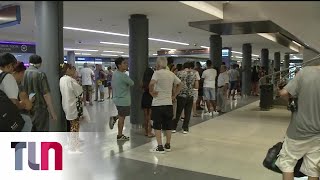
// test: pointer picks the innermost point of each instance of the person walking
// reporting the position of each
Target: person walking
(209, 85)
(223, 82)
(303, 134)
(121, 84)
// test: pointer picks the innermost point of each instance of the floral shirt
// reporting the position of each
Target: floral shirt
(188, 78)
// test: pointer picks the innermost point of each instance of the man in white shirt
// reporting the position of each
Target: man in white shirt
(9, 85)
(223, 81)
(209, 85)
(164, 88)
(87, 76)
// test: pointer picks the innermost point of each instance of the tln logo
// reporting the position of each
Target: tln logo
(45, 147)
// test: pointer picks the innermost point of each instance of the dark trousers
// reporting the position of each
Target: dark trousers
(183, 103)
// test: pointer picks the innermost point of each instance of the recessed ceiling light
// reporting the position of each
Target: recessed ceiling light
(205, 47)
(297, 43)
(89, 50)
(168, 49)
(124, 35)
(114, 52)
(239, 57)
(113, 43)
(237, 52)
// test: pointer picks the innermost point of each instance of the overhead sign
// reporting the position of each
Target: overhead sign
(17, 47)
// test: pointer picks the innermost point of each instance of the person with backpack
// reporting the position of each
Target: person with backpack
(10, 118)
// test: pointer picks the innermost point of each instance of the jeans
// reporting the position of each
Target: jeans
(183, 103)
(221, 100)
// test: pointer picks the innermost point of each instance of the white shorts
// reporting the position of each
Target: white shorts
(293, 150)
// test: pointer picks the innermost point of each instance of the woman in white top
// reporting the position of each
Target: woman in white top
(71, 93)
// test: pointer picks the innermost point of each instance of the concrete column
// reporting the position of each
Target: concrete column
(138, 62)
(49, 45)
(216, 50)
(277, 58)
(265, 59)
(246, 69)
(71, 58)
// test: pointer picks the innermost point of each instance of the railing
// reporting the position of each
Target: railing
(280, 78)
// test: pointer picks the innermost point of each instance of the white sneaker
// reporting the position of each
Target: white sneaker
(173, 131)
(185, 132)
(215, 113)
(207, 114)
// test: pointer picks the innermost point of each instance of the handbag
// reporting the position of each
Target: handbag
(272, 156)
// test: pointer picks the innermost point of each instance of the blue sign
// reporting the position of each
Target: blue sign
(225, 52)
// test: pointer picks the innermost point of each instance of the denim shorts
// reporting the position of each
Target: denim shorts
(209, 93)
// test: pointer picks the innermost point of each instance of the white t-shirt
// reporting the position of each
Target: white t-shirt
(86, 74)
(165, 80)
(9, 86)
(209, 76)
(223, 78)
(70, 89)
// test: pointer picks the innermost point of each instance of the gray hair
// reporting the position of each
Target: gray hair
(162, 62)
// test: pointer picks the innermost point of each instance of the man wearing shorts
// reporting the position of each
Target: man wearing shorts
(87, 76)
(302, 139)
(164, 88)
(121, 84)
(209, 86)
(234, 79)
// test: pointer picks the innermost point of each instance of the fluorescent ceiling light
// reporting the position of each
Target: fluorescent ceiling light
(125, 35)
(89, 50)
(173, 42)
(174, 55)
(238, 61)
(237, 52)
(113, 43)
(168, 49)
(109, 55)
(297, 43)
(85, 54)
(268, 36)
(205, 7)
(95, 31)
(255, 55)
(239, 57)
(155, 54)
(125, 55)
(77, 53)
(114, 52)
(205, 47)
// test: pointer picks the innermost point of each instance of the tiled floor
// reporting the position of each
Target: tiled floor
(230, 146)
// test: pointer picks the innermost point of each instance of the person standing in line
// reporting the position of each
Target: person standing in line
(234, 79)
(195, 90)
(185, 97)
(121, 84)
(223, 82)
(109, 78)
(164, 88)
(87, 76)
(209, 85)
(35, 81)
(302, 138)
(71, 93)
(96, 75)
(200, 91)
(146, 101)
(18, 74)
(101, 79)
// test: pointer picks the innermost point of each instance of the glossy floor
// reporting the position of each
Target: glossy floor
(225, 147)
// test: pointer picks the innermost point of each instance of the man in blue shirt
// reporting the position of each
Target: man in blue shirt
(121, 84)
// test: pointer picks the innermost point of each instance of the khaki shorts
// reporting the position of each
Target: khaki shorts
(87, 88)
(293, 150)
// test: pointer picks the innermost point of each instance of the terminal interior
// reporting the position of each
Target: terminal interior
(230, 146)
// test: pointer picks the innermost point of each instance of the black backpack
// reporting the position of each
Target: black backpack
(10, 118)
